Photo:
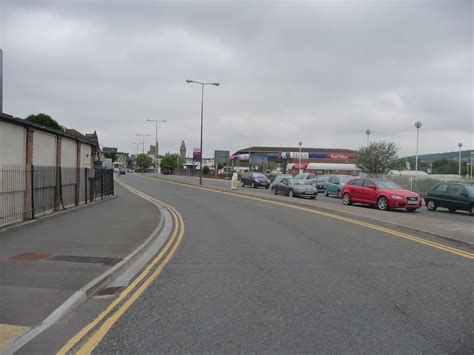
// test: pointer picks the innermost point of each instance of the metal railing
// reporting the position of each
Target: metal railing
(12, 193)
(29, 193)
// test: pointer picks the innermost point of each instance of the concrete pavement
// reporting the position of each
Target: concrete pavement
(454, 227)
(45, 262)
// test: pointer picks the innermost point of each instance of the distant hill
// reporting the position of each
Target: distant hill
(430, 158)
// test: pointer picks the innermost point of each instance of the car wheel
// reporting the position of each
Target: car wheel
(253, 185)
(470, 210)
(431, 205)
(411, 209)
(291, 193)
(346, 199)
(382, 203)
(338, 193)
(275, 191)
(242, 183)
(267, 187)
(313, 197)
(326, 193)
(452, 209)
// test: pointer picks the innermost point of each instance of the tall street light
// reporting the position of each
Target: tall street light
(460, 146)
(202, 110)
(368, 132)
(470, 174)
(156, 141)
(143, 136)
(299, 165)
(418, 126)
(136, 147)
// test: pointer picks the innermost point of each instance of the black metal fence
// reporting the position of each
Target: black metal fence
(44, 189)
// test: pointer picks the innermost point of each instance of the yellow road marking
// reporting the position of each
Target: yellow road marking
(390, 231)
(105, 327)
(8, 334)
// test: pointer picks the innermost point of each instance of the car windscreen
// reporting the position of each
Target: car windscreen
(297, 182)
(387, 184)
(258, 175)
(301, 176)
(322, 178)
(470, 189)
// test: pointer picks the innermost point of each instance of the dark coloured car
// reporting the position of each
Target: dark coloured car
(294, 188)
(320, 183)
(122, 171)
(308, 178)
(451, 196)
(254, 179)
(278, 179)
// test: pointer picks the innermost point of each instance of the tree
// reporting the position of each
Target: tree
(378, 157)
(144, 161)
(205, 170)
(220, 166)
(44, 120)
(111, 155)
(170, 161)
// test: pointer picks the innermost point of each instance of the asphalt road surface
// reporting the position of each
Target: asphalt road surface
(251, 276)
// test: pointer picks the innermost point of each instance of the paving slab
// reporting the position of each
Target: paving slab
(43, 263)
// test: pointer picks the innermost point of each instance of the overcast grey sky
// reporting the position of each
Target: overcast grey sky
(319, 72)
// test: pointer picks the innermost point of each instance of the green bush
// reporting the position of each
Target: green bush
(205, 170)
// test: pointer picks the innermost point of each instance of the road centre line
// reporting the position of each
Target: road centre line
(145, 275)
(385, 230)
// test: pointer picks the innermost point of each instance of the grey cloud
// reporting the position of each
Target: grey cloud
(321, 72)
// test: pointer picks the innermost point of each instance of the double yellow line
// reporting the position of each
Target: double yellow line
(88, 337)
(385, 230)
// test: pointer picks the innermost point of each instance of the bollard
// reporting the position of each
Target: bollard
(233, 183)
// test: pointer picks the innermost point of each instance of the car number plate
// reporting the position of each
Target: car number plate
(412, 202)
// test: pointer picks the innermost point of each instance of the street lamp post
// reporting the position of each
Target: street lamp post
(202, 111)
(143, 136)
(418, 126)
(368, 132)
(156, 142)
(136, 147)
(299, 164)
(470, 174)
(460, 146)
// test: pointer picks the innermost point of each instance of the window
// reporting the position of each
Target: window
(455, 189)
(441, 188)
(357, 182)
(366, 183)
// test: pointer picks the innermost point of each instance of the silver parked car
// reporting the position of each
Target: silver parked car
(308, 178)
(294, 188)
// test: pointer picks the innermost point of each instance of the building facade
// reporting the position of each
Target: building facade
(42, 169)
(319, 161)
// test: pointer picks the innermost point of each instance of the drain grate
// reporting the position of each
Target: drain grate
(31, 256)
(87, 259)
(109, 291)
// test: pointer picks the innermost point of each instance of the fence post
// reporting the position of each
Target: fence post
(101, 184)
(32, 192)
(111, 178)
(85, 185)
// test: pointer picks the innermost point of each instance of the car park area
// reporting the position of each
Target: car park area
(456, 225)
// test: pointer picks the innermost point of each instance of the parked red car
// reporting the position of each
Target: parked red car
(382, 193)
